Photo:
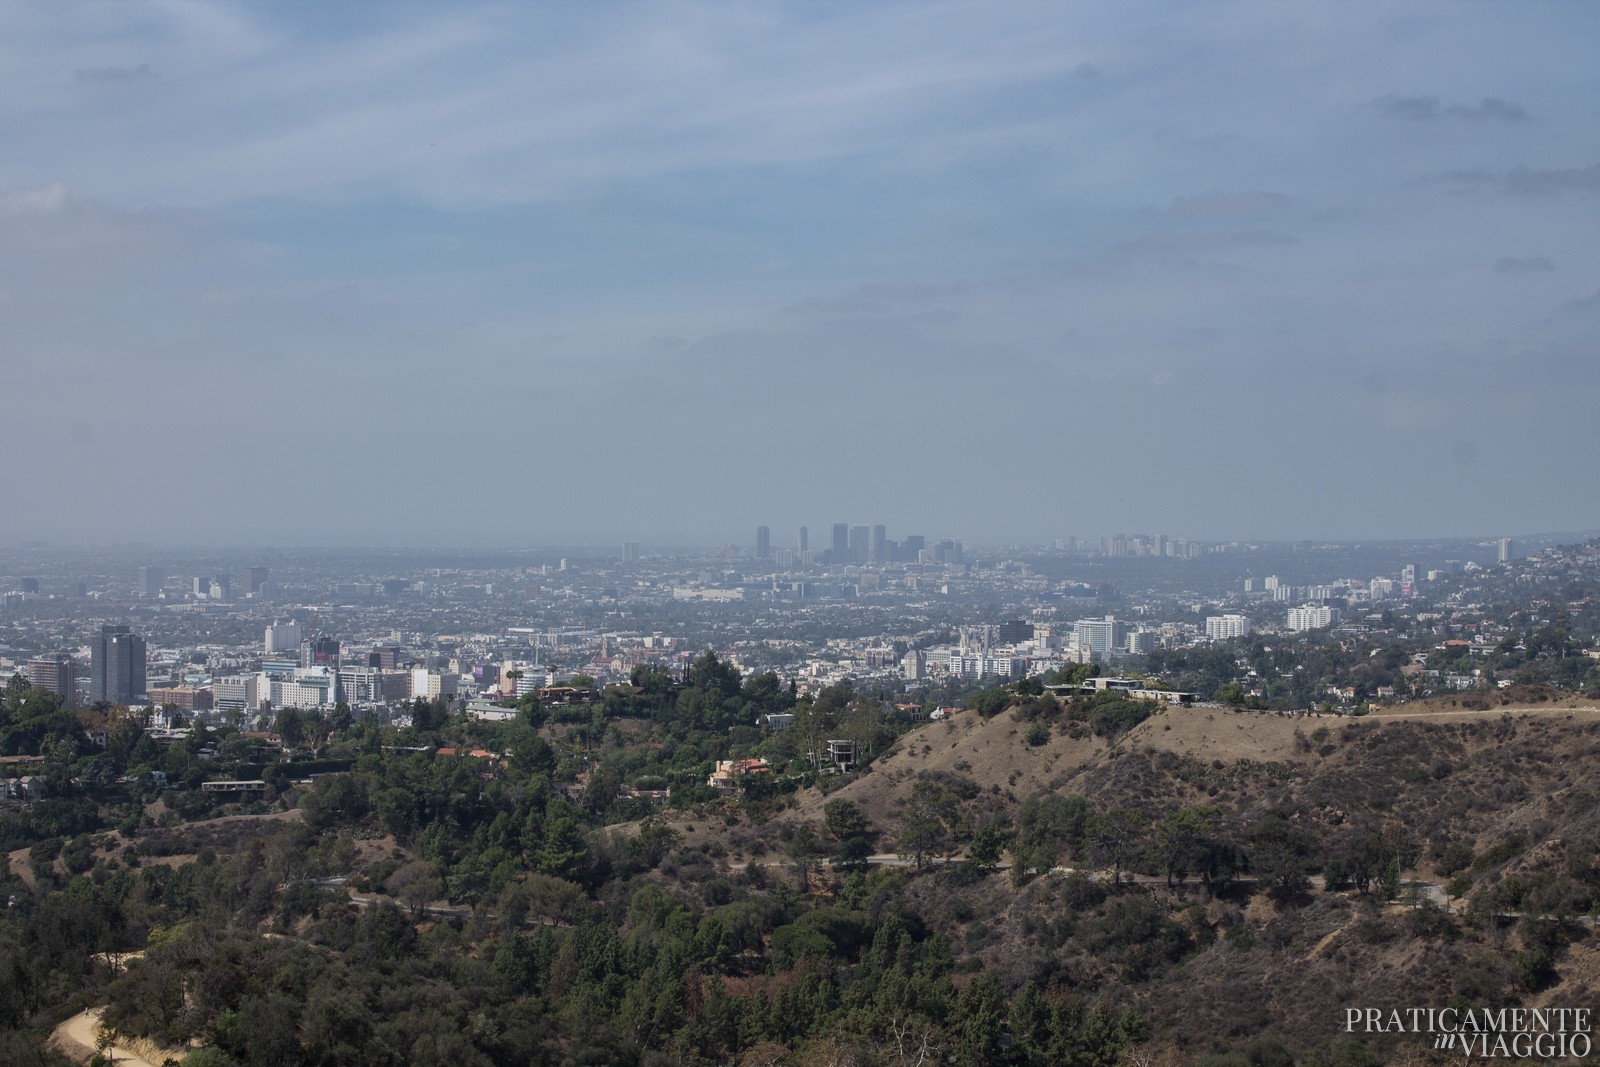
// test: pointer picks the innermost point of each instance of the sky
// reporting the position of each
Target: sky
(338, 273)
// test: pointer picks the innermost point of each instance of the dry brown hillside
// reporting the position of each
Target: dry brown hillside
(1441, 771)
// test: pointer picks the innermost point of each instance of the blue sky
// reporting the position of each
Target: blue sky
(510, 273)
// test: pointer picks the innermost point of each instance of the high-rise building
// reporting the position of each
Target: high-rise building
(763, 542)
(116, 666)
(630, 552)
(255, 580)
(283, 637)
(1100, 637)
(55, 673)
(878, 547)
(803, 544)
(1505, 550)
(1223, 627)
(221, 587)
(860, 543)
(320, 652)
(1310, 617)
(840, 551)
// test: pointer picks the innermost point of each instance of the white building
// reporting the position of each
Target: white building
(431, 684)
(361, 685)
(1223, 627)
(1101, 637)
(914, 665)
(303, 687)
(1311, 617)
(284, 637)
(235, 692)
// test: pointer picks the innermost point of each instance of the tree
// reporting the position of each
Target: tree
(1048, 825)
(988, 842)
(804, 848)
(290, 727)
(1278, 851)
(925, 822)
(1181, 841)
(844, 819)
(1115, 836)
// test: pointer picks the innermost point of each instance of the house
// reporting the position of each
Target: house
(244, 788)
(731, 772)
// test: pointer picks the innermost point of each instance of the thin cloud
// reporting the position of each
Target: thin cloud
(1226, 206)
(1201, 241)
(1520, 265)
(142, 73)
(1526, 181)
(1432, 109)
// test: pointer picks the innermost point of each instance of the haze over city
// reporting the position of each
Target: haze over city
(497, 274)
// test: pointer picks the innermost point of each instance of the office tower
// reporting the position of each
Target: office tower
(283, 637)
(55, 673)
(911, 548)
(1505, 550)
(630, 552)
(116, 666)
(28, 585)
(763, 542)
(200, 586)
(221, 587)
(320, 652)
(860, 539)
(150, 581)
(804, 544)
(1101, 637)
(255, 580)
(840, 550)
(878, 547)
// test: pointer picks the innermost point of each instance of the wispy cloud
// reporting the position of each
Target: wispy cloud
(142, 73)
(1527, 181)
(1226, 206)
(1523, 265)
(1432, 109)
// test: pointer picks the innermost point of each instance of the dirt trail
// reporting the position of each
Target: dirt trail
(77, 1038)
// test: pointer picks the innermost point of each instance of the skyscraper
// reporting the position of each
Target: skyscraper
(255, 580)
(150, 581)
(1505, 550)
(630, 552)
(803, 545)
(320, 652)
(840, 552)
(860, 539)
(763, 542)
(116, 666)
(878, 547)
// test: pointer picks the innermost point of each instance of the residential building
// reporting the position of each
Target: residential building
(55, 673)
(1311, 617)
(1101, 637)
(1225, 627)
(116, 666)
(283, 637)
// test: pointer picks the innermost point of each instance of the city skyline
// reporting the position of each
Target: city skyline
(429, 271)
